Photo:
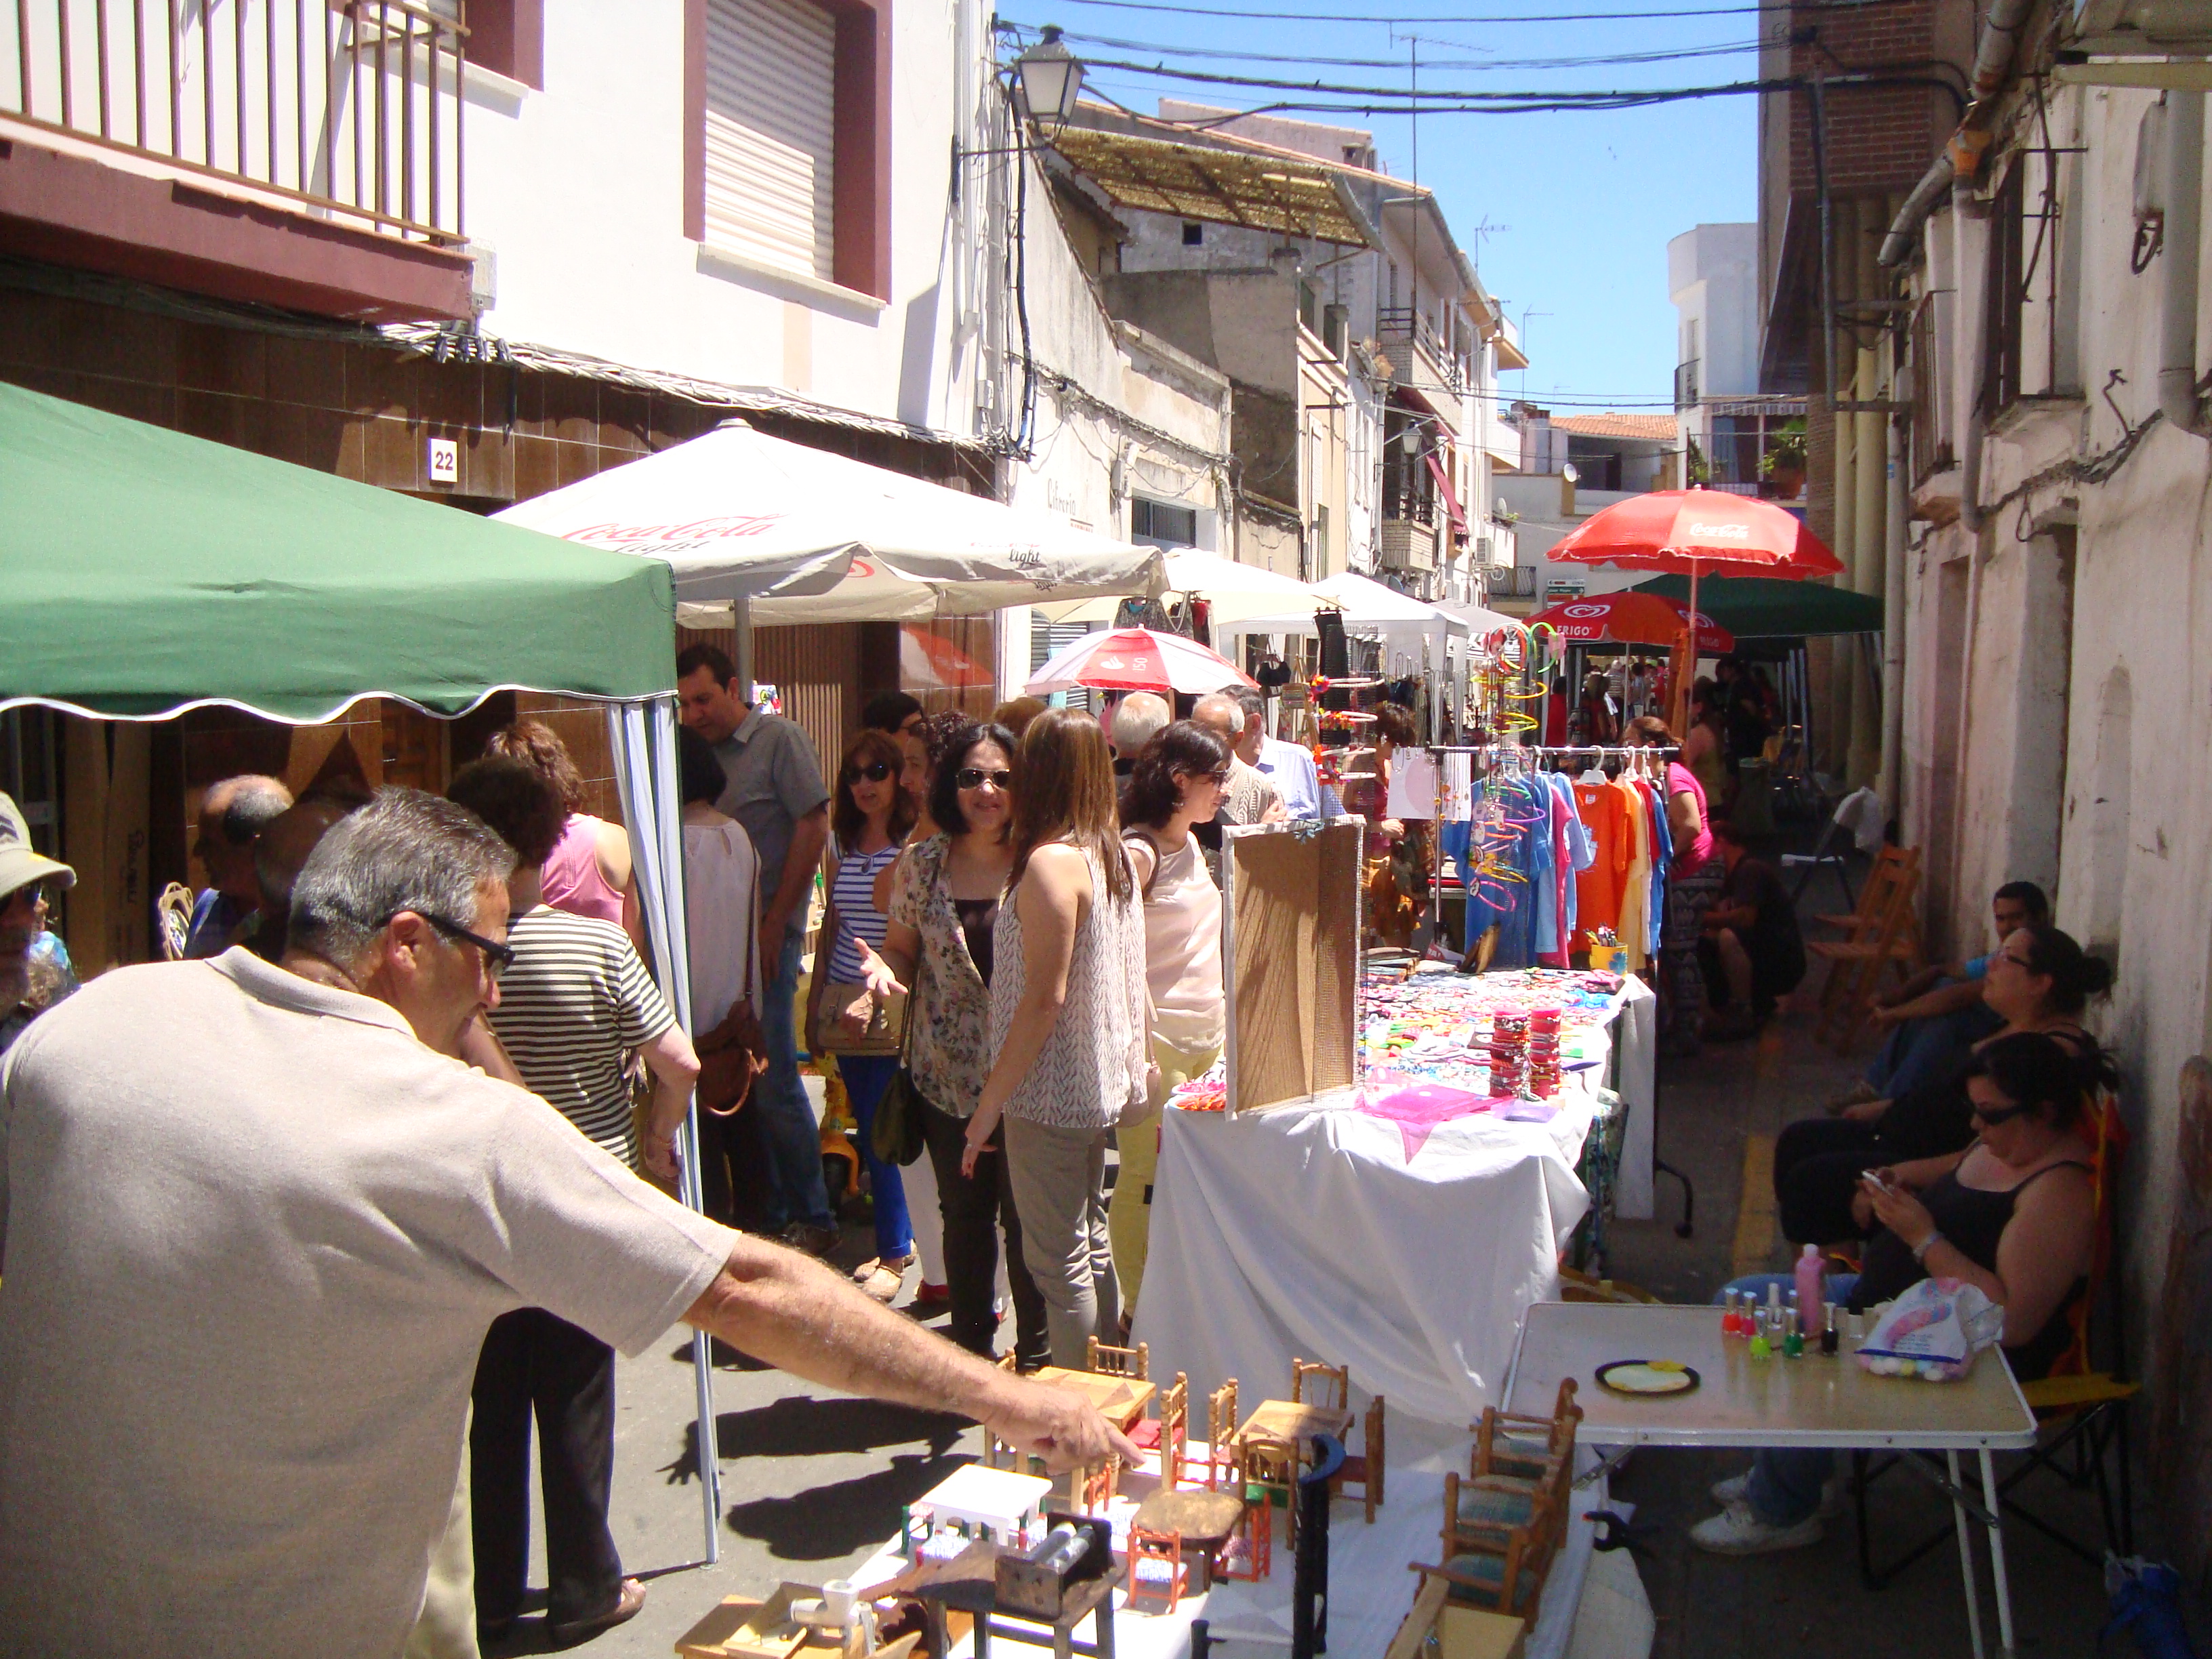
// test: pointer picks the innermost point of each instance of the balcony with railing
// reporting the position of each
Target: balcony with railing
(307, 152)
(1407, 335)
(1410, 512)
(1685, 384)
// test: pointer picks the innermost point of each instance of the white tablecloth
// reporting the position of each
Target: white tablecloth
(1306, 1231)
(1639, 1029)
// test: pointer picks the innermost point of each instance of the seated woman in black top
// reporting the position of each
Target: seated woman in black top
(2015, 1217)
(2038, 980)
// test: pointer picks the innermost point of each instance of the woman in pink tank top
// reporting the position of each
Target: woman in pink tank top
(589, 871)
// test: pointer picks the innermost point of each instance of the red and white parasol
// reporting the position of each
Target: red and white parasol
(1136, 659)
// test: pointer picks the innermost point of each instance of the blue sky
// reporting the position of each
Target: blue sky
(1580, 203)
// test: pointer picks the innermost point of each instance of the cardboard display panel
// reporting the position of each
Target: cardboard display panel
(1292, 966)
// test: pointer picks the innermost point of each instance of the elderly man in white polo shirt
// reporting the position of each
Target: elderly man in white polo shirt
(256, 1219)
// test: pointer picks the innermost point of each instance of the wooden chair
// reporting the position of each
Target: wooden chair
(1250, 1554)
(1221, 1435)
(1313, 1384)
(1887, 939)
(1508, 1579)
(1169, 1433)
(1526, 1448)
(1097, 1484)
(1366, 1469)
(1135, 1361)
(1155, 1568)
(2087, 1407)
(1266, 1466)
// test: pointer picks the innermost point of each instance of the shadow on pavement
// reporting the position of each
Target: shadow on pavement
(831, 1522)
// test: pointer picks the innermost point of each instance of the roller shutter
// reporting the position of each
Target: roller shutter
(771, 127)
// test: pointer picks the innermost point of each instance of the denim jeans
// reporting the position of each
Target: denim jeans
(1786, 1480)
(1918, 1050)
(787, 1121)
(867, 1077)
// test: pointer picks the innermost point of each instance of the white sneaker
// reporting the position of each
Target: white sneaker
(1736, 1531)
(1736, 1489)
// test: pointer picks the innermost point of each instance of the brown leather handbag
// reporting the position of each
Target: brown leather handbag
(731, 1058)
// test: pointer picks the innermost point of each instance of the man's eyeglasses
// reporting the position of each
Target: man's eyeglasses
(874, 772)
(972, 777)
(498, 958)
(31, 895)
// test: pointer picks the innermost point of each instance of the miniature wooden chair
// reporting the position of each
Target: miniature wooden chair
(1313, 1384)
(1098, 1482)
(1156, 1567)
(1250, 1555)
(1221, 1435)
(1266, 1466)
(1170, 1432)
(1479, 1510)
(1506, 1581)
(1135, 1361)
(1366, 1469)
(1527, 1448)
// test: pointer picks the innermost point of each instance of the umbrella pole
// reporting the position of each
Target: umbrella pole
(1681, 721)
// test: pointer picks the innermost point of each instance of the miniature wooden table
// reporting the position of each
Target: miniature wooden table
(1205, 1521)
(998, 1501)
(1120, 1399)
(1810, 1402)
(1288, 1419)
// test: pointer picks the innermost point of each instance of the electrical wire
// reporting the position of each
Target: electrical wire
(1380, 19)
(1485, 65)
(1460, 99)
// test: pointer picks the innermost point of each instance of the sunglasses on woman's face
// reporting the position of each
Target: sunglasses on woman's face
(973, 777)
(874, 772)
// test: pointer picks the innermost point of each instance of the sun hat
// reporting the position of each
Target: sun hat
(19, 865)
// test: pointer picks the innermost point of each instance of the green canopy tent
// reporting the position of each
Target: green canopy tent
(1765, 607)
(151, 573)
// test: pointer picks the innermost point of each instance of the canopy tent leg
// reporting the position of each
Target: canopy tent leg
(642, 735)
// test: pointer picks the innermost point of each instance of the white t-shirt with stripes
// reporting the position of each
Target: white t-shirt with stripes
(574, 1002)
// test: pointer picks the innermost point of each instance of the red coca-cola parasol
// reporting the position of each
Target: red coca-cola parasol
(1631, 618)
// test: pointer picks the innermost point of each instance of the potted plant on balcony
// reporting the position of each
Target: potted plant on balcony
(1783, 466)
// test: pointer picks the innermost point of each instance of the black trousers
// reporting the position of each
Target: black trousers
(533, 1362)
(736, 1173)
(976, 1210)
(1817, 1164)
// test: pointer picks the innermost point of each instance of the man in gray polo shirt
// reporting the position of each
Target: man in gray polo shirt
(776, 791)
(254, 1222)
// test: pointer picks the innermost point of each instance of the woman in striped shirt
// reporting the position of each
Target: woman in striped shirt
(869, 816)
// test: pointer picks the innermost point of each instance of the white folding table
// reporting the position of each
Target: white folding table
(1811, 1402)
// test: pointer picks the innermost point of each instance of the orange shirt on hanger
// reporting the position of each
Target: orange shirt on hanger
(1603, 808)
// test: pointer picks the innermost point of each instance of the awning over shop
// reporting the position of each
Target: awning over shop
(1767, 607)
(1233, 590)
(1270, 191)
(148, 572)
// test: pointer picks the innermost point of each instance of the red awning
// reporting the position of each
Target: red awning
(1451, 499)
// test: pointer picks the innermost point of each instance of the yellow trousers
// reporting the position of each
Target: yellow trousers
(1129, 1212)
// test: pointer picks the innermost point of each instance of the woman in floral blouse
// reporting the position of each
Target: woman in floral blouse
(944, 905)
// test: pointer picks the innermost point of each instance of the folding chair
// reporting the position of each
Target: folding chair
(1825, 851)
(1882, 934)
(2087, 1407)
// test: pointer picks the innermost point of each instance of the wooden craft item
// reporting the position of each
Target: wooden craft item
(1035, 1583)
(1290, 970)
(743, 1628)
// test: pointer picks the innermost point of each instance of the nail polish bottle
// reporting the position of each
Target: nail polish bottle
(1828, 1335)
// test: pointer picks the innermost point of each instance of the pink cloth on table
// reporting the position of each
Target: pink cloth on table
(1418, 1108)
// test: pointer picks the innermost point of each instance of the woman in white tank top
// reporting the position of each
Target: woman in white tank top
(1069, 1029)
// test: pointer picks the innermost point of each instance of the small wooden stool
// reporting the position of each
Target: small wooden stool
(1207, 1521)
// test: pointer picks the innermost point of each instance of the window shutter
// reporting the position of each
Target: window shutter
(771, 124)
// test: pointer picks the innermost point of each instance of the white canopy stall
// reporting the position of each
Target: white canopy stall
(1414, 636)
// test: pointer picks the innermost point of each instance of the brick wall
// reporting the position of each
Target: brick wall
(1877, 137)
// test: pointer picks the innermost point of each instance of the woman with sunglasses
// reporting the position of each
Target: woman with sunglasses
(945, 895)
(2038, 980)
(2015, 1217)
(1070, 1037)
(1175, 783)
(574, 1003)
(869, 816)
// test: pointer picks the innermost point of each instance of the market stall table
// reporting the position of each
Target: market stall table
(1811, 1402)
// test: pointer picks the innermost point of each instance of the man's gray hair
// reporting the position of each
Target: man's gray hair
(406, 850)
(1223, 703)
(1140, 716)
(1249, 699)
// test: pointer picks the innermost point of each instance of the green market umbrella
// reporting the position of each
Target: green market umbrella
(149, 572)
(1768, 607)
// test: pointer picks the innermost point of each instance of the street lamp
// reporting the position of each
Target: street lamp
(1050, 78)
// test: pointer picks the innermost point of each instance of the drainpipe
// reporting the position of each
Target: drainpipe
(1992, 59)
(1973, 320)
(2182, 167)
(1892, 629)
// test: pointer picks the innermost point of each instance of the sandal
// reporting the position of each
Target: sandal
(881, 1276)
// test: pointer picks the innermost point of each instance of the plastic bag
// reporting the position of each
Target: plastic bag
(1933, 1331)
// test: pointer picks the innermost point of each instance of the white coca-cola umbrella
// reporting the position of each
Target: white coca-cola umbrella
(809, 536)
